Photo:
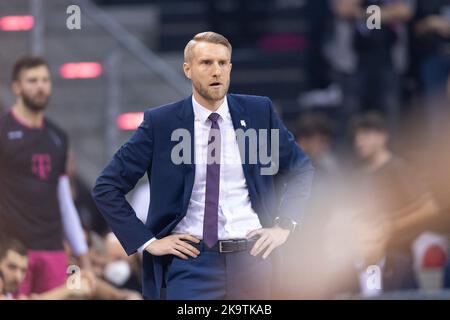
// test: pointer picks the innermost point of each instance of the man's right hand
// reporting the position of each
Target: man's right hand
(174, 244)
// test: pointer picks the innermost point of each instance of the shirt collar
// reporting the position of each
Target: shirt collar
(202, 113)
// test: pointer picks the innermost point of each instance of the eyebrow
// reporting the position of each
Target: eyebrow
(211, 59)
(37, 77)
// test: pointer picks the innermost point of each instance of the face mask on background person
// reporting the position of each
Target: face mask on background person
(117, 272)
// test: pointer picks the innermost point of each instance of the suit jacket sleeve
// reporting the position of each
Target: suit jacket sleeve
(295, 169)
(121, 174)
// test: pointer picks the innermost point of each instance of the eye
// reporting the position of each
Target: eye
(12, 267)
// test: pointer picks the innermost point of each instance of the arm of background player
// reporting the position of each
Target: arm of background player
(425, 207)
(71, 222)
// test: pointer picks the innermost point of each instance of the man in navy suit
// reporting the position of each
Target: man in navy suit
(218, 208)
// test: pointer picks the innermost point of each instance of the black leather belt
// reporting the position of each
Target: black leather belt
(227, 246)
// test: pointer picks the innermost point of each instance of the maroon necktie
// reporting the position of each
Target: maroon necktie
(210, 219)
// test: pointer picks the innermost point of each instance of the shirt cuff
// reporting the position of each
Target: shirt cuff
(145, 245)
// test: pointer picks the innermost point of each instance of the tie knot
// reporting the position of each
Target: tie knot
(214, 117)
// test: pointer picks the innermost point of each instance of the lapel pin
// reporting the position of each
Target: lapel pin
(243, 123)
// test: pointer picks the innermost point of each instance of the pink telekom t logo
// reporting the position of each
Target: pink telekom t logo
(41, 165)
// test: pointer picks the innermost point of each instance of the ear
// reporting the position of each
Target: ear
(15, 87)
(187, 70)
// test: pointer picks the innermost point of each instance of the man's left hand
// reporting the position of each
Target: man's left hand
(269, 239)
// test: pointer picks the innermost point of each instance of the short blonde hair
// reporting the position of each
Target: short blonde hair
(208, 36)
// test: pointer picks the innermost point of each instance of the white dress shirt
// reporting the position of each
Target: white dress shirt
(236, 216)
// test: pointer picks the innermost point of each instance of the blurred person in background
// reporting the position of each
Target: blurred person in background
(383, 207)
(371, 79)
(432, 37)
(121, 270)
(386, 185)
(372, 269)
(432, 154)
(97, 253)
(116, 276)
(36, 205)
(13, 266)
(314, 134)
(14, 263)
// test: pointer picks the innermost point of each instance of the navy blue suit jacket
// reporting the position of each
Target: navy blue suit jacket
(149, 150)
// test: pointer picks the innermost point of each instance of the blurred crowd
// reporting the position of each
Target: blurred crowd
(371, 206)
(397, 67)
(112, 276)
(376, 130)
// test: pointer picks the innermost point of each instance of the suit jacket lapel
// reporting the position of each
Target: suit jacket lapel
(241, 120)
(186, 117)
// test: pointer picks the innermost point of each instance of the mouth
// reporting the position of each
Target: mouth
(40, 96)
(215, 85)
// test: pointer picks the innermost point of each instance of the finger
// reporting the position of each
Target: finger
(268, 251)
(266, 242)
(255, 232)
(178, 254)
(188, 246)
(189, 237)
(185, 251)
(258, 244)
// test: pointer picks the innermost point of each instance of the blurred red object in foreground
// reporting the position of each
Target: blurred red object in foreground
(434, 257)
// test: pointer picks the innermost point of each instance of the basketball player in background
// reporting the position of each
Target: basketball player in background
(36, 206)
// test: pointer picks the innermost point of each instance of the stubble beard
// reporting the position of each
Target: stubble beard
(33, 105)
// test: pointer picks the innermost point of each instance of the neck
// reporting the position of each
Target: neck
(29, 117)
(379, 159)
(211, 105)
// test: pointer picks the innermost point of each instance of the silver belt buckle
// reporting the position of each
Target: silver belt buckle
(221, 250)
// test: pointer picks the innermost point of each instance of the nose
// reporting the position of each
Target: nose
(39, 87)
(42, 84)
(19, 276)
(217, 70)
